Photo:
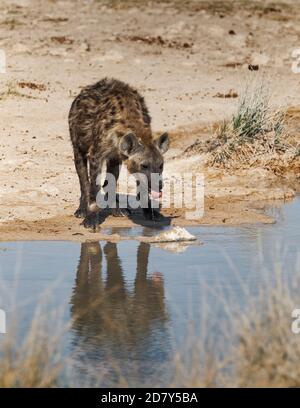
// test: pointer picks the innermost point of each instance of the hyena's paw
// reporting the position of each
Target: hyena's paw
(120, 212)
(92, 221)
(80, 213)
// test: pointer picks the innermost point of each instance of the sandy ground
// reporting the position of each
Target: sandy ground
(181, 58)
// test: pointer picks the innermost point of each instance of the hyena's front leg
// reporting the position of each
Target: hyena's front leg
(95, 174)
(152, 214)
(113, 168)
(152, 210)
(81, 168)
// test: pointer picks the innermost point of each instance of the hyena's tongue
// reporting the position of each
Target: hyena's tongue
(155, 195)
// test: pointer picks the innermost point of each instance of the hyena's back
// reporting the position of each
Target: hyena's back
(106, 106)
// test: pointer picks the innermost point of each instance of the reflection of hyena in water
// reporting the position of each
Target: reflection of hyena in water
(109, 122)
(105, 310)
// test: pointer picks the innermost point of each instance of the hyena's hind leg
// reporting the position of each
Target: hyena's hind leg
(81, 168)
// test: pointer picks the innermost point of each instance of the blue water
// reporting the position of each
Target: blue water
(131, 303)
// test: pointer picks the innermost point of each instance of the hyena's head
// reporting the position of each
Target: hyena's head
(145, 161)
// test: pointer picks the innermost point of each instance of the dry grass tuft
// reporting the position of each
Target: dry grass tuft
(255, 136)
(34, 361)
(268, 351)
(265, 352)
(28, 367)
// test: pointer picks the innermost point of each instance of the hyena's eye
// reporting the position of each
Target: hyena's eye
(144, 166)
(161, 166)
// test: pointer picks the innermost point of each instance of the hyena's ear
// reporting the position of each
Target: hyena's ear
(163, 143)
(128, 144)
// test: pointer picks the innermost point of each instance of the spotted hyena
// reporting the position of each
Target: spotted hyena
(109, 122)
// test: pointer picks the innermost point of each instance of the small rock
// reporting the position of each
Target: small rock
(58, 52)
(230, 94)
(259, 59)
(84, 47)
(252, 67)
